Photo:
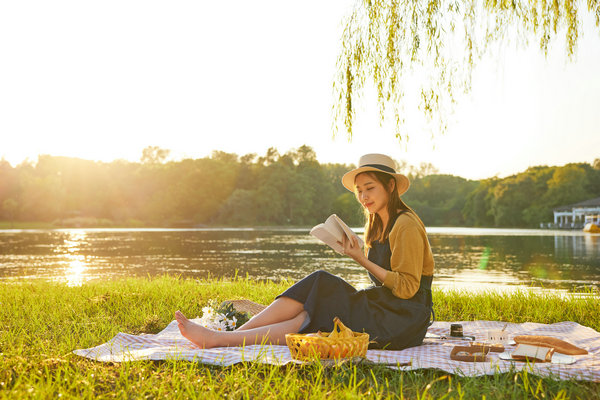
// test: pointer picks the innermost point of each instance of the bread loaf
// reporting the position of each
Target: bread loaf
(560, 346)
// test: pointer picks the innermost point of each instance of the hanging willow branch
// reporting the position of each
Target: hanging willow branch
(435, 45)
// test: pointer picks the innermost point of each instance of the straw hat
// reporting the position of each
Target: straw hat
(378, 163)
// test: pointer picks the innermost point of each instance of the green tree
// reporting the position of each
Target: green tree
(539, 209)
(240, 209)
(439, 199)
(387, 44)
(201, 189)
(594, 179)
(313, 182)
(567, 186)
(8, 181)
(511, 197)
(249, 171)
(270, 157)
(274, 189)
(305, 154)
(9, 208)
(477, 209)
(154, 155)
(349, 209)
(227, 158)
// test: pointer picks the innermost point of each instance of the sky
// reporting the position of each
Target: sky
(103, 80)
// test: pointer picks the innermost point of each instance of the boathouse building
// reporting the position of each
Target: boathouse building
(575, 216)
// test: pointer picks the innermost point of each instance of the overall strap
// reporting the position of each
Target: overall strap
(425, 288)
(426, 282)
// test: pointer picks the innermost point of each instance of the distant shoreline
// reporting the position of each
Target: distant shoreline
(431, 230)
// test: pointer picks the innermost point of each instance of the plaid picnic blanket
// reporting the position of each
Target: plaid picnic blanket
(434, 353)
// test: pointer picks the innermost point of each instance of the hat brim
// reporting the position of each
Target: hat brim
(402, 182)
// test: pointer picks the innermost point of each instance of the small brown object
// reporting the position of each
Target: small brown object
(494, 348)
(560, 346)
(456, 330)
(469, 353)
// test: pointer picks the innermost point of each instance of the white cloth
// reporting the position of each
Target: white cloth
(169, 344)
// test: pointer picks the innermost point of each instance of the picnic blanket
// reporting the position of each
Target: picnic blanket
(434, 353)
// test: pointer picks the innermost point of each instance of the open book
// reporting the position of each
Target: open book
(333, 231)
(530, 352)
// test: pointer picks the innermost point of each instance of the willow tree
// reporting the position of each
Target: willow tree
(433, 46)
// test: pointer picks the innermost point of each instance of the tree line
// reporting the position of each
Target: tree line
(290, 189)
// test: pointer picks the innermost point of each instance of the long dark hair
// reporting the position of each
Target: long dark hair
(374, 229)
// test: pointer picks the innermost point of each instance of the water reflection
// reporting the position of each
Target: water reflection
(586, 246)
(552, 261)
(74, 275)
(465, 259)
(69, 253)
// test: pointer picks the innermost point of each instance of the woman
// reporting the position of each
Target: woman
(395, 311)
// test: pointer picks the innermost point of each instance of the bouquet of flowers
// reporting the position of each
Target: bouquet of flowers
(222, 318)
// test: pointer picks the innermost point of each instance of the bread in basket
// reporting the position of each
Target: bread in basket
(342, 342)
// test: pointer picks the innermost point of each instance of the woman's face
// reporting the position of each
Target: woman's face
(371, 193)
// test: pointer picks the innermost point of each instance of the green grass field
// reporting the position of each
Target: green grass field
(42, 322)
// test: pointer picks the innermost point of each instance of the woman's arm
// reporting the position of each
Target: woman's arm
(352, 249)
(407, 244)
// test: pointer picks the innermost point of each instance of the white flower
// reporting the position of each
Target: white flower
(216, 321)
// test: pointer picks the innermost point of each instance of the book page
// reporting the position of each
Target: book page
(347, 231)
(329, 236)
(531, 351)
(332, 233)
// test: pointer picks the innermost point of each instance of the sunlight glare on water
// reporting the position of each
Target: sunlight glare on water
(75, 271)
(470, 259)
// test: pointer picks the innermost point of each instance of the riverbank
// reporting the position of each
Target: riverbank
(42, 322)
(99, 224)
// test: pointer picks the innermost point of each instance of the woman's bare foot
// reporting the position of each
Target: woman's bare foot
(199, 335)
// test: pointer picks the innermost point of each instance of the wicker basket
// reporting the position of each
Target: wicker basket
(311, 346)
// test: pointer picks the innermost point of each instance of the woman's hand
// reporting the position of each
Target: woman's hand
(352, 248)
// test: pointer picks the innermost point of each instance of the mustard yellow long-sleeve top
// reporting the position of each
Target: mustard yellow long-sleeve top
(411, 256)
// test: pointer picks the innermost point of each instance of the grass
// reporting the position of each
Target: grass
(42, 322)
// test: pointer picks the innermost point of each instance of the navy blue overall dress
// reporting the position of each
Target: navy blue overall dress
(391, 322)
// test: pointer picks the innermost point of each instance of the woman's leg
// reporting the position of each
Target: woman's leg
(282, 309)
(207, 338)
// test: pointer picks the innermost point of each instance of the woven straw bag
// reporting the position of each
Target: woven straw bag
(310, 346)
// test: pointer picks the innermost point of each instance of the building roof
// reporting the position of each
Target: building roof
(586, 203)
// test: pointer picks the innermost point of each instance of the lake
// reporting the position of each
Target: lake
(466, 258)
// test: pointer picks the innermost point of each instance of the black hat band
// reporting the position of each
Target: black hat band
(381, 167)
